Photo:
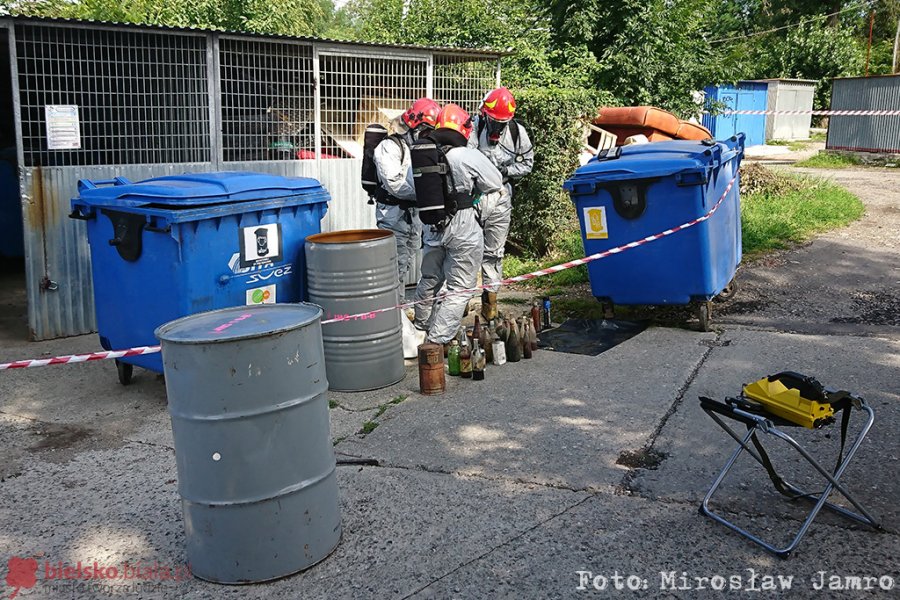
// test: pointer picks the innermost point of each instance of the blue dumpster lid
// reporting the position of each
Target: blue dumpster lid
(237, 323)
(657, 159)
(193, 189)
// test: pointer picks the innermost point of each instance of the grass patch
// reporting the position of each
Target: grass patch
(567, 248)
(793, 145)
(368, 427)
(775, 221)
(828, 160)
(818, 136)
(332, 403)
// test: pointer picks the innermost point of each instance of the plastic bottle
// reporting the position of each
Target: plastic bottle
(536, 316)
(453, 358)
(546, 313)
(477, 363)
(513, 343)
(526, 345)
(465, 361)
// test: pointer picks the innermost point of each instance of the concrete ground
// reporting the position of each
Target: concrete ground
(551, 476)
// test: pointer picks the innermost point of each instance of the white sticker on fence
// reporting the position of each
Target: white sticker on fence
(595, 223)
(63, 127)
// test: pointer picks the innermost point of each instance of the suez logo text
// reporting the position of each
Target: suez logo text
(258, 272)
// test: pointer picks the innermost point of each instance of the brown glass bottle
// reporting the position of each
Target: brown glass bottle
(536, 316)
(513, 343)
(526, 345)
(478, 363)
(465, 361)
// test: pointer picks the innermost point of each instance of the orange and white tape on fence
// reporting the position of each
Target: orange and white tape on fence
(77, 358)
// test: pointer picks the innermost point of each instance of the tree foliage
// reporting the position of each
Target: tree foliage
(288, 17)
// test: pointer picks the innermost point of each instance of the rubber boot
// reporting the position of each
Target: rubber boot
(488, 305)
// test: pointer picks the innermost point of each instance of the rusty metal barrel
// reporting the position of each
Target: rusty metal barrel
(431, 369)
(352, 273)
(256, 470)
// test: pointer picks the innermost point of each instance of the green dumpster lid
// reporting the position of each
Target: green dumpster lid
(238, 322)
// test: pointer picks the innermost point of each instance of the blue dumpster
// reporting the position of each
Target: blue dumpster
(647, 189)
(172, 246)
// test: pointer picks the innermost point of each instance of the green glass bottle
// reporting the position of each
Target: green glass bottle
(453, 357)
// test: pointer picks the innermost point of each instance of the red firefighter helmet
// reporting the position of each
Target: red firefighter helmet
(423, 111)
(499, 104)
(456, 118)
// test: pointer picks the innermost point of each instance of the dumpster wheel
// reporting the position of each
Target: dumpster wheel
(728, 292)
(125, 371)
(704, 314)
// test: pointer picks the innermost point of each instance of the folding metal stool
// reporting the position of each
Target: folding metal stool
(759, 418)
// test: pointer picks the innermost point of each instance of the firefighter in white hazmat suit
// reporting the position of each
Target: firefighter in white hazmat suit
(453, 250)
(506, 143)
(395, 207)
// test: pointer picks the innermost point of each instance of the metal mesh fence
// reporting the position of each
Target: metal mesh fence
(463, 81)
(141, 97)
(267, 100)
(359, 90)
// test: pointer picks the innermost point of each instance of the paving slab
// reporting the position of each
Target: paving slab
(122, 506)
(656, 544)
(696, 448)
(557, 419)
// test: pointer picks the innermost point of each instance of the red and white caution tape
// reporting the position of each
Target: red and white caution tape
(77, 358)
(549, 270)
(826, 113)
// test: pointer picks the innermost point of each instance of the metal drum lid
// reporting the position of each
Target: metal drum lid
(238, 322)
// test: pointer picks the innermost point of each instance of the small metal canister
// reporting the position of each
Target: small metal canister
(431, 369)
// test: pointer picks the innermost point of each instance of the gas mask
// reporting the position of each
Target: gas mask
(420, 131)
(495, 129)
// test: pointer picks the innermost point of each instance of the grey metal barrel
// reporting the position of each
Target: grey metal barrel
(349, 273)
(256, 469)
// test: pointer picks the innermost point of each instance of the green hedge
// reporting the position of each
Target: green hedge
(541, 208)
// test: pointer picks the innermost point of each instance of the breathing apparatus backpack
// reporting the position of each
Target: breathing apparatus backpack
(375, 134)
(430, 175)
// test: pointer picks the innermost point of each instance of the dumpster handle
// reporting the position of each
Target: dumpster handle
(87, 184)
(76, 214)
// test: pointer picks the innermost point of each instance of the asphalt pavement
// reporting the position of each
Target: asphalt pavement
(563, 476)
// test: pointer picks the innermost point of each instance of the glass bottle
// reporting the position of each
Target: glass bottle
(536, 316)
(532, 338)
(478, 363)
(453, 357)
(526, 345)
(513, 343)
(465, 361)
(498, 349)
(485, 340)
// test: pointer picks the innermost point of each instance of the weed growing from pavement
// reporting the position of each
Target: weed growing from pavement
(332, 403)
(828, 160)
(368, 427)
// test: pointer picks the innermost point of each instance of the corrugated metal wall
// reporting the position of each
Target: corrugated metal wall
(865, 133)
(256, 100)
(786, 95)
